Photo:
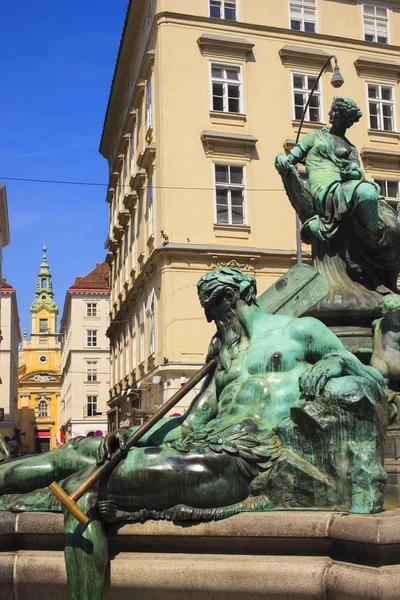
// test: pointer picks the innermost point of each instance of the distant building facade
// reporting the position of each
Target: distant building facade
(85, 355)
(40, 371)
(9, 349)
(204, 95)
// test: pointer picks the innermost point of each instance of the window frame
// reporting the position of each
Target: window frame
(92, 305)
(151, 316)
(91, 345)
(363, 16)
(91, 371)
(150, 205)
(41, 403)
(149, 102)
(228, 64)
(318, 92)
(142, 333)
(389, 85)
(93, 404)
(300, 5)
(243, 186)
(390, 199)
(46, 322)
(133, 342)
(222, 18)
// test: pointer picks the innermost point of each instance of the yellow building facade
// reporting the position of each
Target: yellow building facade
(205, 93)
(40, 371)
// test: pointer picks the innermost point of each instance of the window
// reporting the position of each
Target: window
(302, 86)
(133, 336)
(132, 152)
(91, 370)
(42, 408)
(302, 15)
(223, 9)
(152, 325)
(44, 283)
(376, 24)
(229, 194)
(381, 106)
(390, 190)
(133, 244)
(142, 335)
(91, 309)
(91, 337)
(226, 88)
(91, 406)
(127, 369)
(149, 104)
(150, 207)
(121, 354)
(43, 326)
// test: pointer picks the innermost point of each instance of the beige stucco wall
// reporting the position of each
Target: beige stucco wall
(11, 337)
(75, 354)
(186, 241)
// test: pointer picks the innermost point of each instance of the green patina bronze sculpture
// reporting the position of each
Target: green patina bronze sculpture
(354, 232)
(386, 350)
(287, 420)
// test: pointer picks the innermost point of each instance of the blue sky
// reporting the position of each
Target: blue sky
(57, 62)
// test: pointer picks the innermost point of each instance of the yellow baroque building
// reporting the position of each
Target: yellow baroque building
(39, 372)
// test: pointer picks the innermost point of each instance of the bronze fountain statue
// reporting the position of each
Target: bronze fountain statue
(286, 419)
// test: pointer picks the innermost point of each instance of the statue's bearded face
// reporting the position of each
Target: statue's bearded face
(219, 307)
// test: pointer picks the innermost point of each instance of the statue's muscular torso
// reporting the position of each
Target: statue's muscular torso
(261, 383)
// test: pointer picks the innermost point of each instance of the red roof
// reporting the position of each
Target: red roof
(98, 279)
(5, 285)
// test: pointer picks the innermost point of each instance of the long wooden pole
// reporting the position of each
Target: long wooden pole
(70, 502)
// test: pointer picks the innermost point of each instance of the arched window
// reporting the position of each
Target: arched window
(42, 409)
(44, 283)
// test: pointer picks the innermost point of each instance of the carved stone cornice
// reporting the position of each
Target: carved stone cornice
(139, 179)
(301, 56)
(370, 66)
(148, 63)
(147, 157)
(109, 258)
(138, 93)
(212, 45)
(216, 142)
(124, 217)
(118, 231)
(130, 200)
(110, 195)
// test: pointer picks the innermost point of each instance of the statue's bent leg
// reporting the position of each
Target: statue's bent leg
(29, 473)
(161, 477)
(367, 210)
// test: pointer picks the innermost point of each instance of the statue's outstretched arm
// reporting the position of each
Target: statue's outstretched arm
(328, 358)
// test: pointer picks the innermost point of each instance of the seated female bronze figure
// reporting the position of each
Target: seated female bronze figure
(341, 203)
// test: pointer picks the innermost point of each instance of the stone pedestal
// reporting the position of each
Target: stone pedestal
(280, 555)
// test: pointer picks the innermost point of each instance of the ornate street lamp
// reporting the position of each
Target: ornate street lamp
(336, 81)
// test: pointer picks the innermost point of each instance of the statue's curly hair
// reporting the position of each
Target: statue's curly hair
(212, 284)
(347, 108)
(390, 302)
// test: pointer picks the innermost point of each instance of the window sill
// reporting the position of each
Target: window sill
(307, 126)
(92, 382)
(379, 135)
(232, 231)
(227, 118)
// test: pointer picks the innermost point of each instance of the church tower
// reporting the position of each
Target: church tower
(40, 370)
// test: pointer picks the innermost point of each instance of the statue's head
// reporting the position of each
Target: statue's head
(220, 289)
(346, 110)
(390, 307)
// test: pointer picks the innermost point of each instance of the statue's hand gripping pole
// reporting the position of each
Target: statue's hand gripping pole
(70, 502)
